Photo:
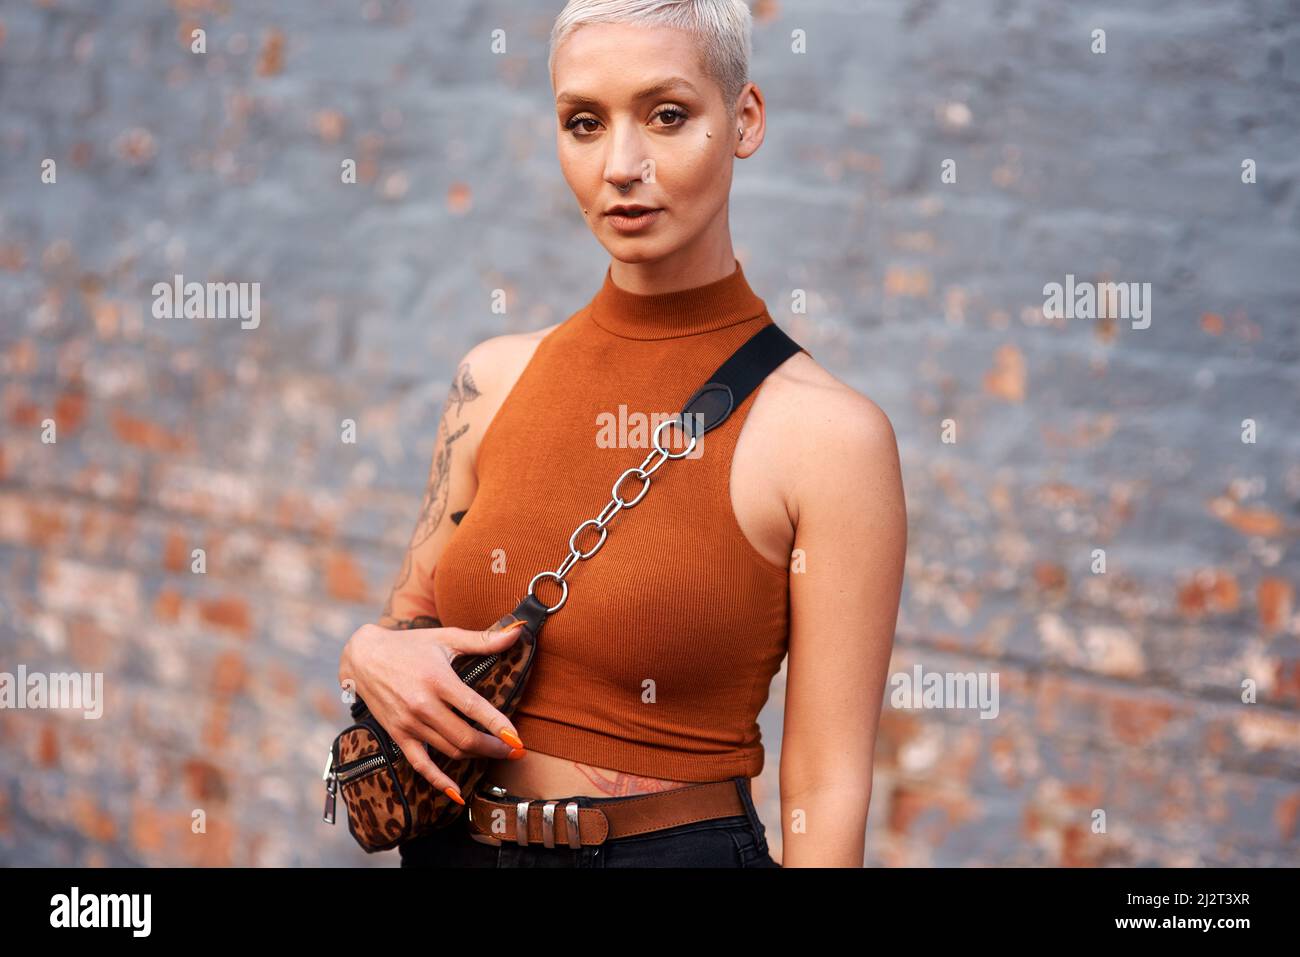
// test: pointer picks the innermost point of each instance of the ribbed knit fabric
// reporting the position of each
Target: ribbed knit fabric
(661, 659)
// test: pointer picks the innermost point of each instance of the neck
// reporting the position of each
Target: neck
(673, 313)
(649, 278)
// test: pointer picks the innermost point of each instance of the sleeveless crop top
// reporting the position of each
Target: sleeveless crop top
(662, 657)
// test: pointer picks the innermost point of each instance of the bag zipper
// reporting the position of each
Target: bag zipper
(334, 777)
(479, 669)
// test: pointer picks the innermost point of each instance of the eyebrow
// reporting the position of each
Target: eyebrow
(654, 89)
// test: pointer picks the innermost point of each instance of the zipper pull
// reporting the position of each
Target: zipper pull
(331, 788)
(330, 791)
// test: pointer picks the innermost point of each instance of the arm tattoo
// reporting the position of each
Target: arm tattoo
(419, 621)
(435, 494)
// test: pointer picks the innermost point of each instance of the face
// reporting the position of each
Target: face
(633, 105)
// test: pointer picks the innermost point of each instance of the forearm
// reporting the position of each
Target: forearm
(824, 826)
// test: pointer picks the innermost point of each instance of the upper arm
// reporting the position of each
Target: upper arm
(449, 489)
(844, 596)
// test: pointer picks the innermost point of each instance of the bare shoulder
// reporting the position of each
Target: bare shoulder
(494, 366)
(499, 360)
(826, 421)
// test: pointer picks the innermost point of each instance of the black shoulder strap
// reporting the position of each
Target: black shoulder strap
(736, 378)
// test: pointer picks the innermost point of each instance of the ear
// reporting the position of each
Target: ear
(751, 117)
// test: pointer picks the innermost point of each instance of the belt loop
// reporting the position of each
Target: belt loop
(548, 824)
(760, 835)
(571, 822)
(521, 823)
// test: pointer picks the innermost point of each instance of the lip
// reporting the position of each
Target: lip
(629, 224)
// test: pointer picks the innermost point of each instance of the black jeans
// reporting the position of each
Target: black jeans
(739, 841)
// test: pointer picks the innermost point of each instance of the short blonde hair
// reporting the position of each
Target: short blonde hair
(723, 28)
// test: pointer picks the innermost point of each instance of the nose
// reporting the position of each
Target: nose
(626, 160)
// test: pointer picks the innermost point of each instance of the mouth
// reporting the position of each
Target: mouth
(631, 218)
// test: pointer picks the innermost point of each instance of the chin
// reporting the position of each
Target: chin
(640, 249)
(628, 250)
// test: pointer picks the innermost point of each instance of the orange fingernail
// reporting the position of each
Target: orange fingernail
(510, 738)
(451, 793)
(516, 754)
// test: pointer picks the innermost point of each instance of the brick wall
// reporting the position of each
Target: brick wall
(1120, 692)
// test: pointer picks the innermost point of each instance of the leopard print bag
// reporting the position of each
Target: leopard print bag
(387, 800)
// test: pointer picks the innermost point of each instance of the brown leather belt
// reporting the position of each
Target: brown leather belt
(562, 823)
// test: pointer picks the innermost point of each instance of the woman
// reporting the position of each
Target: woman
(785, 534)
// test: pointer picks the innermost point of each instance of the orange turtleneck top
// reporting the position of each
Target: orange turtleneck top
(663, 654)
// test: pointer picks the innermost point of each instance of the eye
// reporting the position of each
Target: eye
(671, 111)
(575, 121)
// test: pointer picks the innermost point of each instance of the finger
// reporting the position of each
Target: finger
(476, 707)
(486, 642)
(413, 748)
(449, 734)
(454, 729)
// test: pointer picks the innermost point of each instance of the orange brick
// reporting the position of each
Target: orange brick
(283, 682)
(1285, 816)
(147, 435)
(1275, 599)
(1139, 722)
(343, 579)
(1211, 591)
(47, 748)
(229, 674)
(167, 606)
(44, 525)
(204, 780)
(229, 613)
(176, 552)
(216, 733)
(1006, 380)
(70, 411)
(90, 819)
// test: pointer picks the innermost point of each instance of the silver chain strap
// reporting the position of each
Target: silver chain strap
(616, 504)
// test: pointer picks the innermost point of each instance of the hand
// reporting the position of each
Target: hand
(407, 682)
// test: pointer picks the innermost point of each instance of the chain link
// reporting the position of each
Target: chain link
(616, 504)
